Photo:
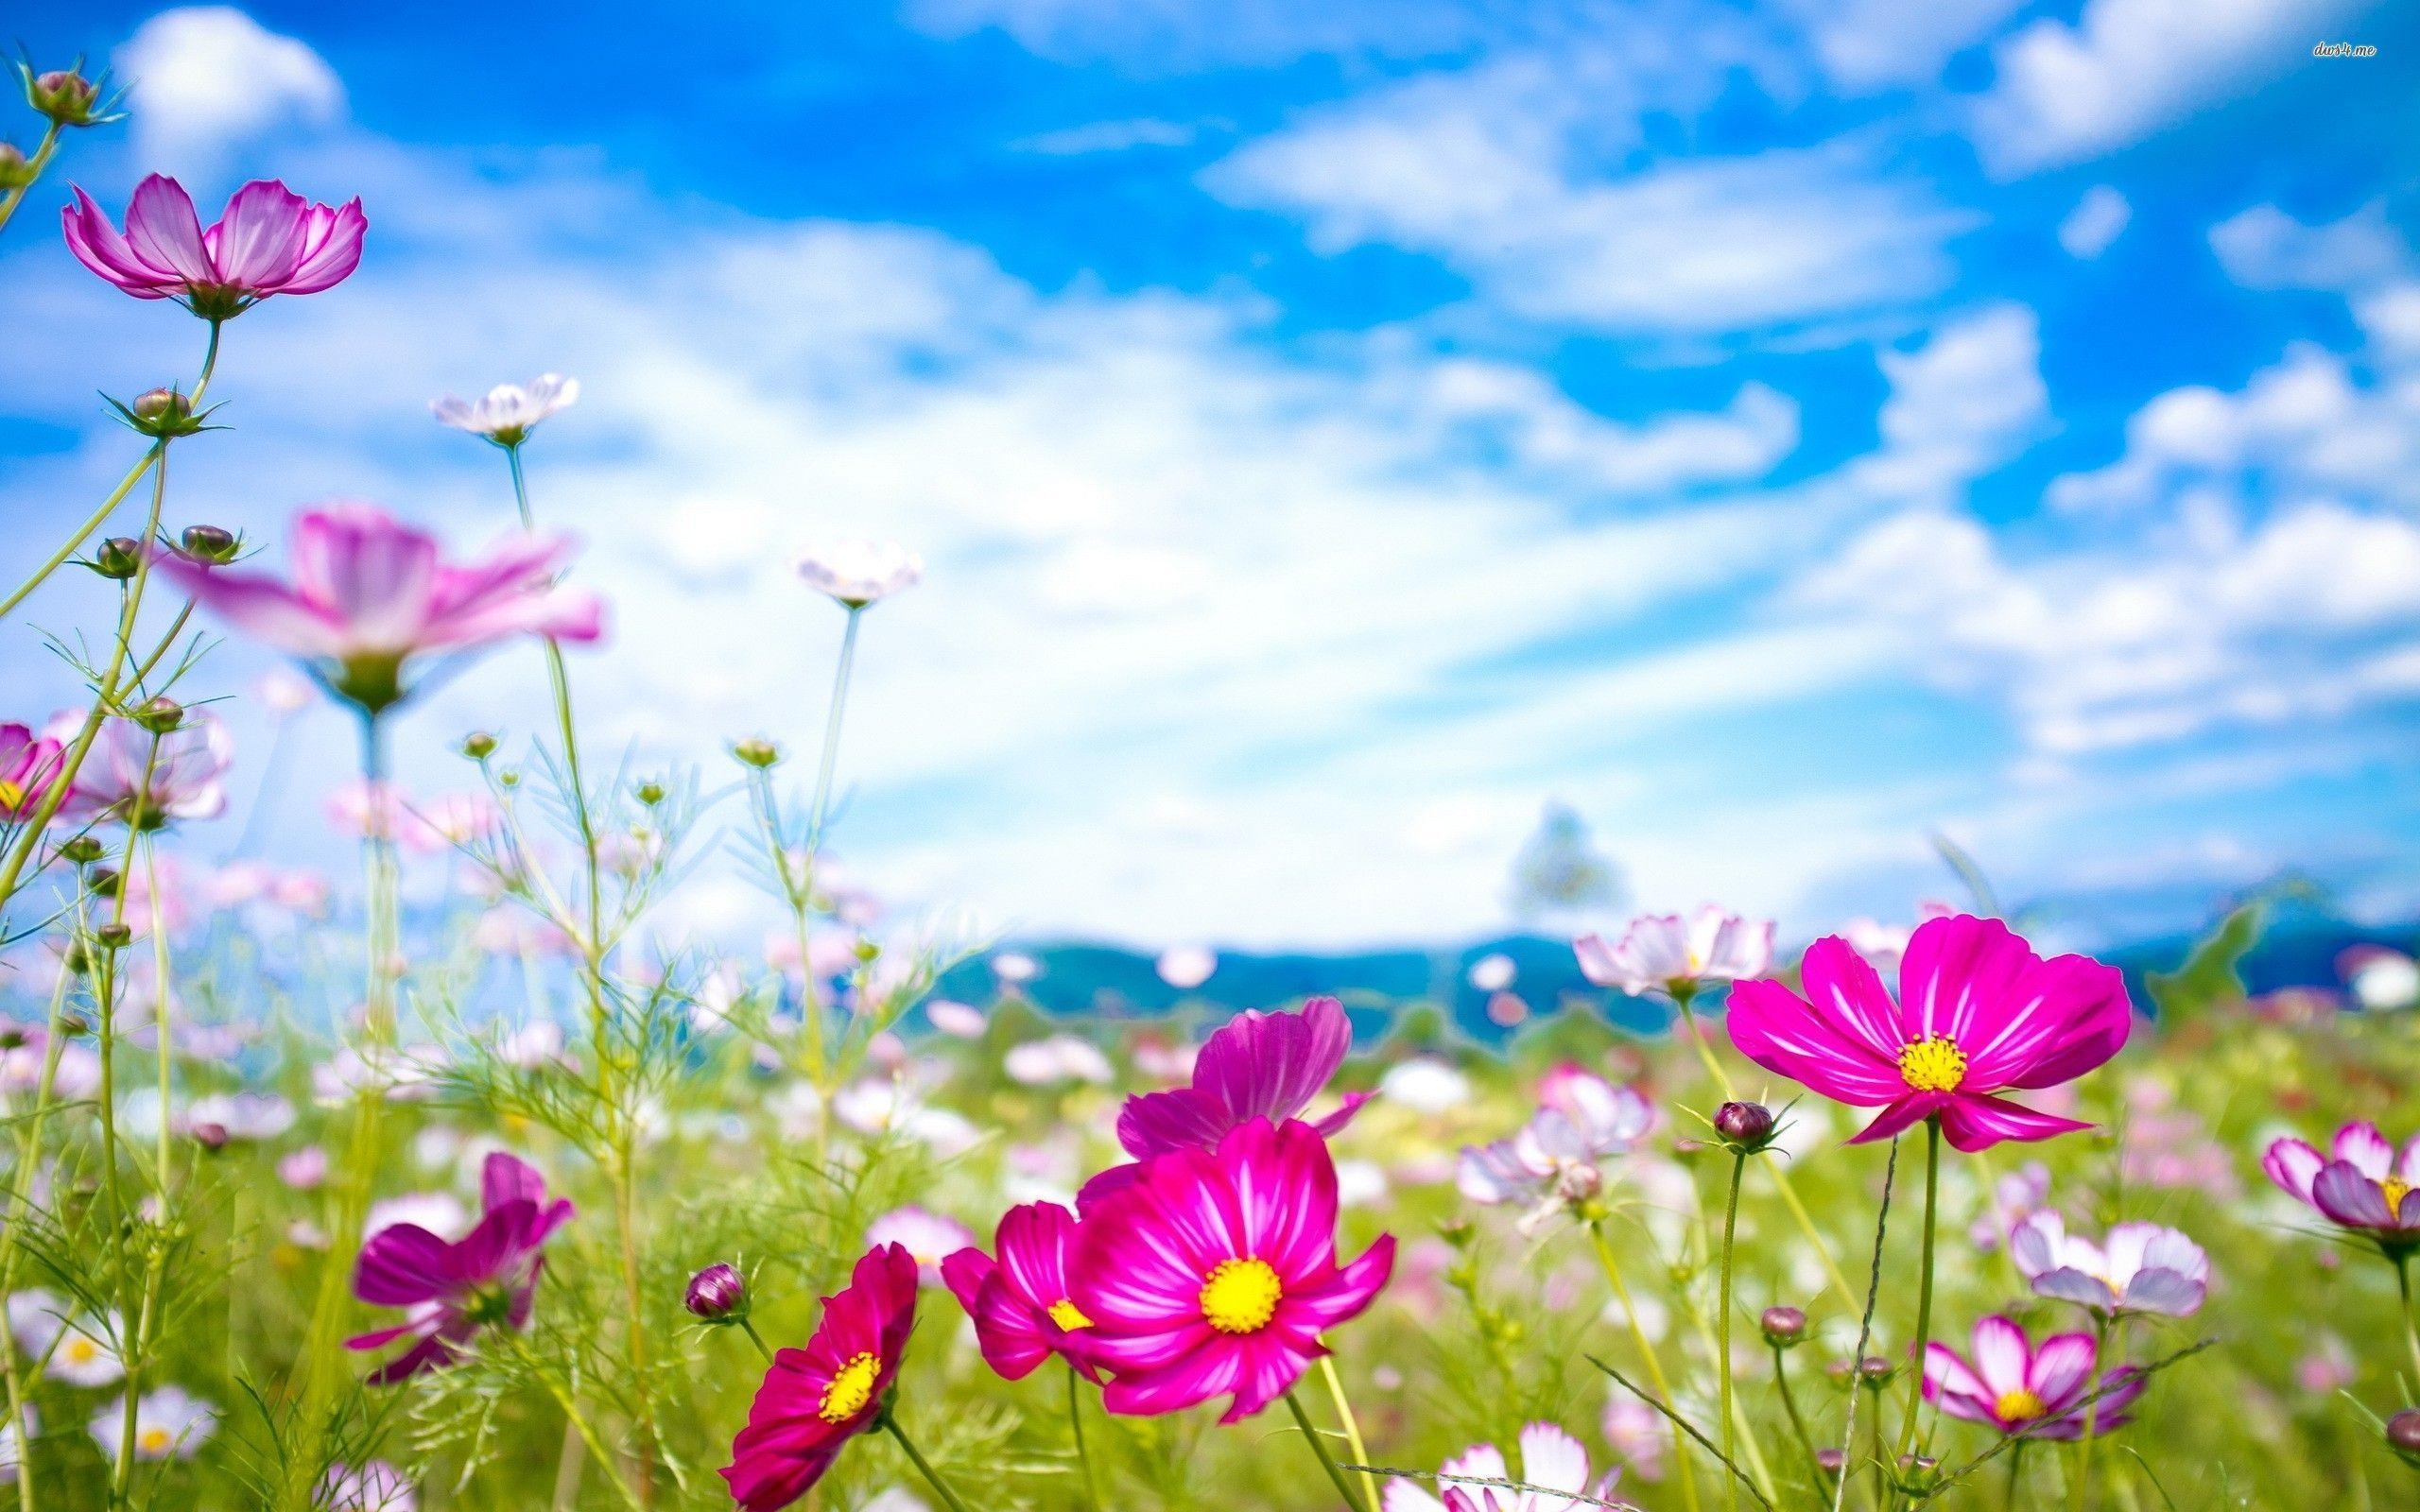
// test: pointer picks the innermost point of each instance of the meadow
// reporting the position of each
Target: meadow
(319, 1200)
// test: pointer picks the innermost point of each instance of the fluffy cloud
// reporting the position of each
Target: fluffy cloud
(209, 77)
(2126, 68)
(2263, 248)
(1869, 44)
(2099, 218)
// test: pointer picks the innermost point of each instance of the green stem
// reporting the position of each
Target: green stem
(757, 1339)
(84, 532)
(579, 1421)
(1797, 1423)
(1722, 1346)
(1352, 1427)
(32, 170)
(1789, 1193)
(1681, 1458)
(1924, 1288)
(122, 1467)
(2410, 1318)
(2079, 1494)
(932, 1477)
(810, 1009)
(1076, 1426)
(1327, 1460)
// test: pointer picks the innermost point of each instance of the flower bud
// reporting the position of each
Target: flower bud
(1873, 1371)
(210, 1136)
(64, 96)
(866, 950)
(717, 1294)
(113, 935)
(2403, 1433)
(1744, 1125)
(119, 558)
(478, 745)
(651, 793)
(159, 715)
(77, 960)
(757, 753)
(210, 543)
(160, 413)
(1918, 1474)
(15, 172)
(103, 881)
(81, 850)
(1783, 1326)
(1830, 1461)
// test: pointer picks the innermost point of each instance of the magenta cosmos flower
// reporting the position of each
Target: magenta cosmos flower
(30, 767)
(1259, 1065)
(270, 241)
(2362, 1183)
(1666, 952)
(1214, 1273)
(2017, 1388)
(815, 1399)
(369, 593)
(1022, 1302)
(1978, 1013)
(486, 1279)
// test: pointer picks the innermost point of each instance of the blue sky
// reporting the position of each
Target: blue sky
(1335, 432)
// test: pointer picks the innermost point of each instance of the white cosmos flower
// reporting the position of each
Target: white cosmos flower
(1549, 1458)
(509, 412)
(2144, 1267)
(373, 1486)
(45, 1322)
(858, 573)
(439, 1212)
(168, 1422)
(1493, 972)
(1661, 951)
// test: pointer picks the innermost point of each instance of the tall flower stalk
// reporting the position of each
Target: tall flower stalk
(1682, 1459)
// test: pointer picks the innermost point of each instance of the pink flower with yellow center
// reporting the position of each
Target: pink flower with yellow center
(1019, 1297)
(2017, 1388)
(1978, 1014)
(814, 1400)
(270, 241)
(1214, 1273)
(2363, 1184)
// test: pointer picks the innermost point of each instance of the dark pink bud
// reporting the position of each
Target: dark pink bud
(1783, 1326)
(2403, 1431)
(210, 1136)
(1750, 1124)
(1830, 1460)
(716, 1293)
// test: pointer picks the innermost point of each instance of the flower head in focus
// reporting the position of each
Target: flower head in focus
(509, 412)
(858, 573)
(369, 593)
(2142, 1268)
(488, 1278)
(1664, 953)
(2015, 1387)
(814, 1400)
(1214, 1273)
(270, 241)
(1019, 1297)
(2362, 1183)
(1258, 1065)
(1978, 1013)
(1549, 1458)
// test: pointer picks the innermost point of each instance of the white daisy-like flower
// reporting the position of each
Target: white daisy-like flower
(509, 412)
(45, 1323)
(168, 1422)
(858, 573)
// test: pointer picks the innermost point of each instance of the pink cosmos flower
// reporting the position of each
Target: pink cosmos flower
(814, 1400)
(1214, 1273)
(1023, 1304)
(486, 1279)
(1549, 1458)
(1665, 953)
(30, 769)
(1553, 1160)
(1259, 1065)
(1978, 1013)
(369, 593)
(2015, 1387)
(2143, 1269)
(270, 241)
(125, 775)
(2362, 1183)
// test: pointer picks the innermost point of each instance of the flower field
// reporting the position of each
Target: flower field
(448, 1187)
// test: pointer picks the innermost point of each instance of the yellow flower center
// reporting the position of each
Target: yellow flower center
(1240, 1297)
(154, 1440)
(2017, 1406)
(1934, 1065)
(79, 1349)
(2394, 1189)
(850, 1390)
(1068, 1315)
(13, 794)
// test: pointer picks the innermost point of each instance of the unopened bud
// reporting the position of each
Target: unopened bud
(159, 715)
(163, 412)
(113, 935)
(1783, 1326)
(1872, 1371)
(716, 1294)
(210, 543)
(103, 881)
(756, 753)
(1745, 1124)
(119, 558)
(1918, 1474)
(64, 96)
(210, 1136)
(651, 793)
(2403, 1433)
(15, 172)
(478, 745)
(866, 950)
(1830, 1460)
(81, 850)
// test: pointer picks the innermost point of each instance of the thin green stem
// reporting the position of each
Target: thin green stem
(1789, 1193)
(1924, 1288)
(2410, 1318)
(1680, 1456)
(757, 1339)
(122, 1467)
(1352, 1426)
(2080, 1493)
(577, 1419)
(1797, 1422)
(1328, 1458)
(1076, 1427)
(84, 532)
(21, 1192)
(32, 171)
(932, 1477)
(1722, 1347)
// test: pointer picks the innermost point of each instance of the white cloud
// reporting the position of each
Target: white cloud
(1109, 136)
(1868, 43)
(2127, 68)
(2263, 248)
(1170, 35)
(2099, 219)
(206, 78)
